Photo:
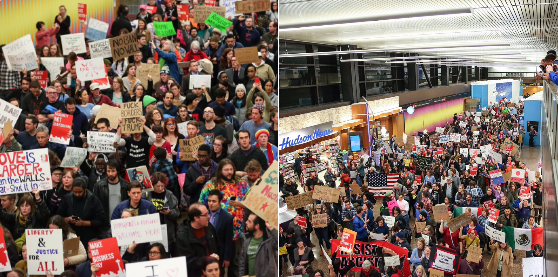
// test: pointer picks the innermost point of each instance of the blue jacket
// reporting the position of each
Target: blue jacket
(57, 148)
(554, 77)
(180, 163)
(172, 62)
(80, 121)
(225, 46)
(247, 38)
(415, 259)
(145, 207)
(359, 228)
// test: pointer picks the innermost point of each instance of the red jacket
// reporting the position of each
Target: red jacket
(43, 37)
(104, 100)
(196, 57)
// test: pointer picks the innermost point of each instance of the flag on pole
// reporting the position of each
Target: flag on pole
(523, 239)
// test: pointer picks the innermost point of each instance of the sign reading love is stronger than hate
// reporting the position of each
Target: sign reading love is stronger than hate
(24, 170)
(145, 228)
(44, 251)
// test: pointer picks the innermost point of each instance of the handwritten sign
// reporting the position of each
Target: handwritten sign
(444, 259)
(183, 128)
(45, 251)
(92, 69)
(100, 142)
(230, 7)
(145, 228)
(4, 260)
(183, 12)
(73, 43)
(100, 49)
(82, 12)
(124, 46)
(61, 127)
(18, 47)
(252, 6)
(201, 13)
(131, 109)
(74, 156)
(189, 148)
(420, 226)
(200, 80)
(53, 66)
(355, 189)
(217, 21)
(473, 254)
(319, 220)
(8, 112)
(109, 112)
(262, 199)
(247, 54)
(392, 260)
(164, 29)
(299, 201)
(436, 273)
(495, 234)
(164, 267)
(97, 30)
(533, 267)
(33, 171)
(326, 194)
(105, 254)
(148, 69)
(440, 213)
(389, 220)
(458, 222)
(25, 60)
(347, 241)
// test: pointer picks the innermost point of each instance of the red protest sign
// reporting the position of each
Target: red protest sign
(210, 3)
(525, 192)
(439, 151)
(301, 221)
(151, 9)
(106, 254)
(493, 215)
(474, 170)
(42, 77)
(488, 204)
(82, 12)
(61, 126)
(347, 241)
(184, 12)
(4, 260)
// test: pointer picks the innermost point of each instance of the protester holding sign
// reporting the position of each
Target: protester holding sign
(33, 213)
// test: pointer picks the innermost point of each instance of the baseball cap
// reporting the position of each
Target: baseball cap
(94, 86)
(142, 7)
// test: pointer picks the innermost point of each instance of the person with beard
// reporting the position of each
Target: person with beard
(199, 173)
(234, 190)
(247, 152)
(28, 138)
(258, 252)
(31, 104)
(20, 93)
(210, 129)
(83, 211)
(121, 22)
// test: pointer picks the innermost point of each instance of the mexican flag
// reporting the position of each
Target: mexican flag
(523, 239)
(457, 211)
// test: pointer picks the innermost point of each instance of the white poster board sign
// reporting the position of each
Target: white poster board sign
(533, 267)
(19, 46)
(389, 220)
(93, 69)
(464, 152)
(53, 66)
(8, 111)
(100, 49)
(200, 80)
(73, 43)
(33, 171)
(21, 61)
(145, 228)
(444, 261)
(391, 260)
(45, 250)
(102, 142)
(74, 156)
(165, 267)
(495, 234)
(183, 128)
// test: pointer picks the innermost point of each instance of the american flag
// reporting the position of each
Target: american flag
(380, 183)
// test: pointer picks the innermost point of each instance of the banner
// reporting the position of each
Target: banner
(97, 30)
(164, 267)
(73, 43)
(199, 80)
(61, 127)
(8, 112)
(458, 222)
(372, 251)
(444, 259)
(24, 170)
(45, 251)
(144, 228)
(262, 199)
(444, 139)
(101, 142)
(230, 7)
(92, 69)
(151, 9)
(131, 109)
(106, 255)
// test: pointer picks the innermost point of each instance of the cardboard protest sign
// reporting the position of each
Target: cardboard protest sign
(199, 80)
(140, 174)
(148, 69)
(111, 113)
(355, 189)
(262, 199)
(189, 148)
(299, 201)
(71, 247)
(101, 142)
(420, 226)
(18, 47)
(252, 6)
(7, 130)
(53, 65)
(507, 176)
(61, 127)
(24, 60)
(96, 30)
(473, 254)
(106, 254)
(165, 267)
(347, 241)
(131, 109)
(498, 236)
(389, 220)
(493, 215)
(92, 69)
(4, 259)
(319, 220)
(217, 21)
(164, 29)
(436, 273)
(533, 267)
(246, 55)
(82, 12)
(73, 43)
(131, 125)
(144, 228)
(326, 193)
(517, 175)
(124, 46)
(33, 171)
(100, 49)
(458, 222)
(201, 13)
(45, 251)
(444, 259)
(74, 156)
(440, 213)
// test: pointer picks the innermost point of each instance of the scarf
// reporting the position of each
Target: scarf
(269, 153)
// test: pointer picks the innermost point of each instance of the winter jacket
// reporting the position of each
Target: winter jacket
(144, 207)
(80, 121)
(266, 257)
(121, 22)
(170, 219)
(503, 220)
(240, 159)
(171, 60)
(190, 187)
(92, 211)
(32, 104)
(34, 221)
(265, 72)
(101, 190)
(189, 246)
(507, 261)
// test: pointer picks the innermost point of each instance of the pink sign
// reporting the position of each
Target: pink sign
(181, 179)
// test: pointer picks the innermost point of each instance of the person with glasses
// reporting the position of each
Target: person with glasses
(172, 135)
(197, 239)
(46, 114)
(220, 149)
(199, 173)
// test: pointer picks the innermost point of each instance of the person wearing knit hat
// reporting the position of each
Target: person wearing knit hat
(239, 102)
(165, 70)
(219, 118)
(149, 103)
(271, 152)
(255, 123)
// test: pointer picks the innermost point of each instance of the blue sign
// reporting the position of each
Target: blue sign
(305, 135)
(520, 120)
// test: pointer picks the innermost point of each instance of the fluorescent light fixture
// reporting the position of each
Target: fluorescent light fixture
(371, 19)
(420, 35)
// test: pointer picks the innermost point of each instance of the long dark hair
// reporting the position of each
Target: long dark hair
(225, 150)
(63, 225)
(218, 175)
(246, 79)
(161, 247)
